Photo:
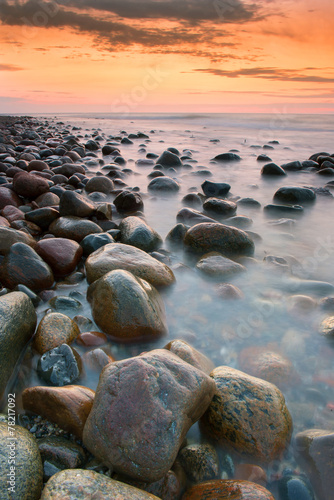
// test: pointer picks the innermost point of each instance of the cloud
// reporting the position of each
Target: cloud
(10, 67)
(277, 74)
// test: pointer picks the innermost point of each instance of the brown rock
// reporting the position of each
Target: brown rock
(29, 185)
(62, 254)
(47, 200)
(8, 197)
(67, 406)
(248, 415)
(250, 472)
(200, 462)
(37, 165)
(227, 490)
(189, 354)
(138, 426)
(167, 488)
(12, 213)
(127, 308)
(53, 330)
(69, 484)
(119, 256)
(73, 228)
(4, 222)
(74, 204)
(26, 226)
(10, 236)
(314, 450)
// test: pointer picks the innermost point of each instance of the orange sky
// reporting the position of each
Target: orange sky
(129, 56)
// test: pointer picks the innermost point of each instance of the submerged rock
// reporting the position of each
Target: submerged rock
(73, 228)
(294, 195)
(220, 207)
(190, 355)
(225, 157)
(164, 184)
(217, 266)
(216, 189)
(327, 327)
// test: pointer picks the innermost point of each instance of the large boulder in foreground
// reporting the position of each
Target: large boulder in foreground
(227, 489)
(17, 326)
(248, 415)
(127, 308)
(215, 237)
(21, 469)
(143, 408)
(120, 256)
(68, 483)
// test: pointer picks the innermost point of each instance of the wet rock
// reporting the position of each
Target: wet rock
(292, 487)
(62, 254)
(327, 327)
(127, 308)
(61, 453)
(118, 256)
(249, 202)
(220, 207)
(29, 185)
(314, 451)
(263, 157)
(191, 217)
(135, 232)
(200, 462)
(192, 200)
(215, 189)
(12, 213)
(229, 490)
(176, 235)
(96, 359)
(43, 217)
(161, 396)
(229, 291)
(21, 471)
(272, 169)
(9, 236)
(189, 354)
(37, 165)
(73, 228)
(239, 221)
(69, 169)
(283, 209)
(72, 203)
(169, 159)
(301, 305)
(22, 265)
(65, 304)
(53, 330)
(59, 366)
(93, 242)
(248, 415)
(205, 238)
(292, 166)
(164, 184)
(250, 472)
(294, 195)
(99, 183)
(217, 266)
(67, 484)
(67, 406)
(167, 488)
(127, 201)
(327, 304)
(18, 322)
(227, 157)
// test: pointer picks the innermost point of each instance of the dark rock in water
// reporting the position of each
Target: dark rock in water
(240, 221)
(120, 160)
(272, 169)
(327, 304)
(135, 231)
(22, 265)
(283, 209)
(162, 396)
(92, 145)
(94, 241)
(155, 173)
(59, 366)
(292, 166)
(72, 203)
(321, 191)
(61, 452)
(126, 140)
(249, 202)
(220, 207)
(315, 156)
(191, 217)
(216, 189)
(192, 200)
(200, 462)
(73, 228)
(263, 157)
(127, 201)
(292, 487)
(225, 157)
(99, 183)
(18, 322)
(29, 185)
(310, 164)
(174, 151)
(210, 237)
(294, 195)
(108, 150)
(169, 159)
(227, 489)
(328, 172)
(176, 235)
(165, 184)
(62, 254)
(43, 217)
(20, 464)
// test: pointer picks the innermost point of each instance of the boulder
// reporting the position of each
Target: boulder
(127, 202)
(53, 330)
(127, 308)
(62, 254)
(119, 256)
(73, 228)
(135, 232)
(138, 427)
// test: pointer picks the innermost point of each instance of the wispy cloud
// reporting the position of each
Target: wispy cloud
(278, 74)
(10, 67)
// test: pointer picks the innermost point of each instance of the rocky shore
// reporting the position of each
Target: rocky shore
(165, 421)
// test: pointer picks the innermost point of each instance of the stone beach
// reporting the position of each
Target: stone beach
(166, 327)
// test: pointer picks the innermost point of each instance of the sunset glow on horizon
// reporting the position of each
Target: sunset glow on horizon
(128, 56)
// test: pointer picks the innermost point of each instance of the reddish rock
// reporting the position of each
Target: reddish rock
(189, 354)
(250, 472)
(4, 222)
(200, 462)
(89, 339)
(227, 490)
(248, 416)
(37, 165)
(143, 408)
(47, 200)
(12, 213)
(67, 406)
(73, 228)
(62, 254)
(22, 265)
(29, 185)
(53, 330)
(9, 236)
(8, 197)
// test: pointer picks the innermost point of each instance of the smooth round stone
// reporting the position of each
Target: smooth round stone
(189, 354)
(99, 183)
(218, 266)
(155, 173)
(59, 366)
(283, 209)
(72, 203)
(8, 197)
(53, 330)
(12, 213)
(127, 201)
(239, 221)
(294, 488)
(215, 189)
(327, 327)
(22, 265)
(127, 308)
(4, 222)
(135, 232)
(176, 235)
(61, 452)
(96, 360)
(220, 207)
(192, 200)
(9, 236)
(29, 185)
(69, 169)
(65, 304)
(73, 228)
(169, 159)
(67, 406)
(227, 490)
(227, 157)
(200, 462)
(62, 254)
(249, 202)
(263, 157)
(42, 217)
(292, 166)
(229, 292)
(164, 184)
(47, 200)
(301, 304)
(271, 169)
(294, 195)
(37, 165)
(21, 470)
(59, 179)
(93, 242)
(67, 483)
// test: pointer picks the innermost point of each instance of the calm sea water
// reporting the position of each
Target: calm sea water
(265, 316)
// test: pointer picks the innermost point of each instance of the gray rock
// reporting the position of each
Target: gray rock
(271, 169)
(169, 159)
(127, 201)
(294, 195)
(216, 189)
(99, 183)
(293, 166)
(135, 231)
(165, 184)
(227, 157)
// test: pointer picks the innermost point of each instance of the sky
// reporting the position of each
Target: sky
(162, 56)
